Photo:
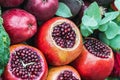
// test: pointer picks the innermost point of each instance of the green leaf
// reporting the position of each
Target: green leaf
(94, 27)
(103, 27)
(109, 17)
(117, 4)
(63, 10)
(112, 30)
(89, 21)
(119, 30)
(85, 30)
(1, 70)
(112, 78)
(114, 43)
(103, 38)
(4, 47)
(93, 11)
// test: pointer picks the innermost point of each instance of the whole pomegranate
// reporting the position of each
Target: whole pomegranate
(42, 9)
(11, 3)
(19, 24)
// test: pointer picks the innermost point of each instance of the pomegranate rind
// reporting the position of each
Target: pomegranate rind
(93, 68)
(54, 72)
(19, 24)
(8, 74)
(54, 54)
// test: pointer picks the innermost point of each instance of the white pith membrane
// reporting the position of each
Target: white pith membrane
(26, 64)
(97, 48)
(67, 75)
(77, 39)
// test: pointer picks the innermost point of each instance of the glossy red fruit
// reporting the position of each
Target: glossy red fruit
(42, 9)
(84, 6)
(25, 62)
(116, 69)
(60, 40)
(11, 3)
(19, 24)
(63, 73)
(103, 2)
(112, 5)
(96, 60)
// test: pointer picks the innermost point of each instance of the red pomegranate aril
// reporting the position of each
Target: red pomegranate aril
(64, 35)
(67, 75)
(96, 60)
(97, 48)
(65, 72)
(23, 66)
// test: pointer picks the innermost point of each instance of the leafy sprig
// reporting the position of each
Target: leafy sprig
(108, 27)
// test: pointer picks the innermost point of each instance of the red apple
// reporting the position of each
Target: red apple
(10, 3)
(42, 9)
(19, 24)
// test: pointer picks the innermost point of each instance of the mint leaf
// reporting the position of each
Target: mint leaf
(103, 38)
(112, 30)
(89, 21)
(117, 4)
(114, 43)
(93, 11)
(119, 30)
(85, 30)
(103, 27)
(63, 10)
(109, 17)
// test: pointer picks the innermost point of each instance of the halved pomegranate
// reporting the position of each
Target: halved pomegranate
(96, 60)
(63, 73)
(60, 40)
(25, 63)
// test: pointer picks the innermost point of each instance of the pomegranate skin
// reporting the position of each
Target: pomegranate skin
(54, 54)
(19, 24)
(91, 67)
(54, 72)
(42, 9)
(11, 3)
(116, 69)
(7, 75)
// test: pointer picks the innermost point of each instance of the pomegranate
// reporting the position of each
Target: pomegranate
(96, 60)
(102, 2)
(63, 73)
(11, 3)
(42, 9)
(116, 69)
(84, 6)
(25, 63)
(112, 5)
(60, 40)
(19, 24)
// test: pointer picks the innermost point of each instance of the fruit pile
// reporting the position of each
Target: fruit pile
(59, 40)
